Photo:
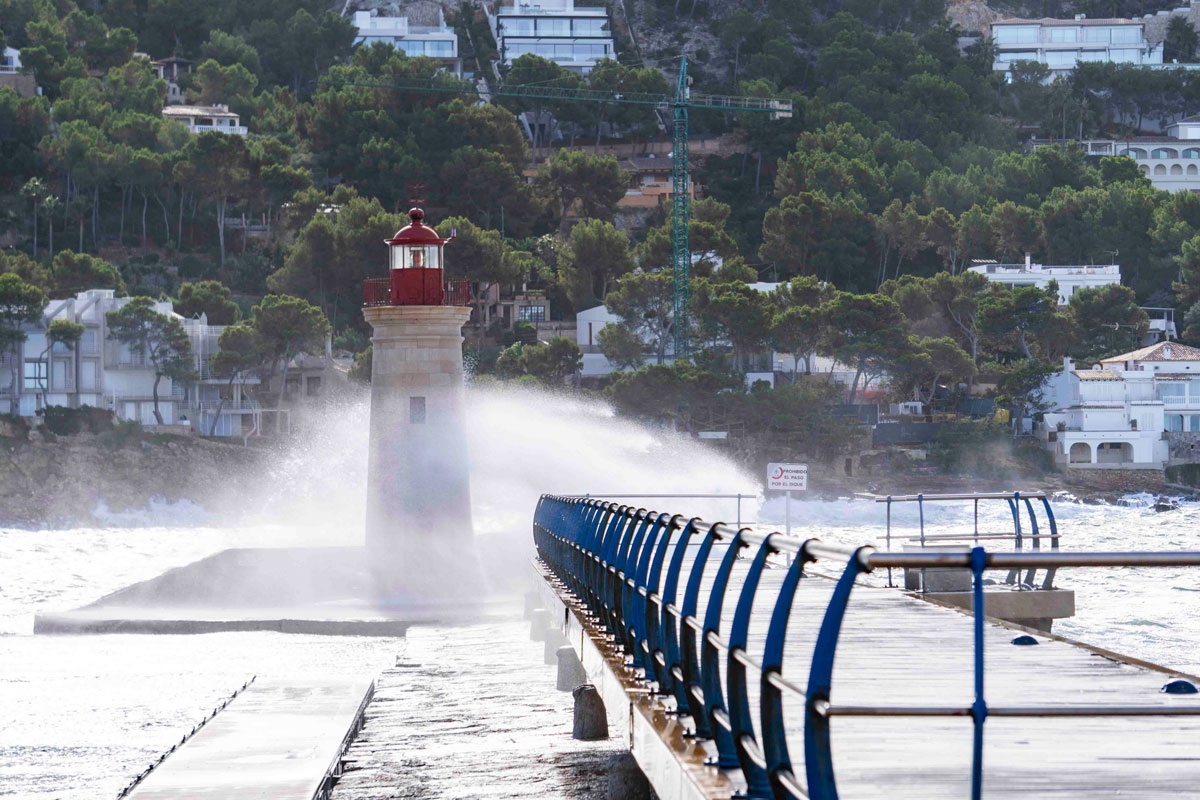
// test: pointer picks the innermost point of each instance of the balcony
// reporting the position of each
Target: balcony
(416, 287)
(240, 130)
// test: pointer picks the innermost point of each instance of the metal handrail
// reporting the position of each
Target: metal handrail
(1014, 500)
(613, 559)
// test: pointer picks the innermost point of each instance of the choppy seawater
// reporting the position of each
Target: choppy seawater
(82, 714)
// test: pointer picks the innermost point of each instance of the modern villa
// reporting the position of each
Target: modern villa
(574, 37)
(433, 39)
(1060, 44)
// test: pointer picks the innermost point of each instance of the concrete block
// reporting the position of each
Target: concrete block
(539, 621)
(570, 669)
(591, 720)
(532, 602)
(941, 579)
(626, 781)
(554, 640)
(1033, 609)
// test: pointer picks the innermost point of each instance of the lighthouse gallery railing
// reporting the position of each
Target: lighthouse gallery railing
(611, 558)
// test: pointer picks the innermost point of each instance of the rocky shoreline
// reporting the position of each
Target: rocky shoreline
(80, 479)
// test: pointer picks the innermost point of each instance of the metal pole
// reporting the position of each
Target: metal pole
(787, 517)
(921, 511)
(889, 538)
(979, 708)
(739, 511)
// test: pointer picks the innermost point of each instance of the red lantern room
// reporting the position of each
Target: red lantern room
(415, 270)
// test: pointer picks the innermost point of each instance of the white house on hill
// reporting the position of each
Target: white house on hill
(1128, 411)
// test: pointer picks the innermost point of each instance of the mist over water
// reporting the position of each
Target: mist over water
(85, 713)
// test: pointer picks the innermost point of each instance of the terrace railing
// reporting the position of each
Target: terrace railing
(612, 560)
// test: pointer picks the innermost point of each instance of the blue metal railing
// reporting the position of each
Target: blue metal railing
(1016, 535)
(609, 558)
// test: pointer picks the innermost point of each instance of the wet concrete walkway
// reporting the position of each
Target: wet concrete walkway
(275, 740)
(472, 712)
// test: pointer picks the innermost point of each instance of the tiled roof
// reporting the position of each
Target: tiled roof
(197, 111)
(1095, 375)
(1163, 351)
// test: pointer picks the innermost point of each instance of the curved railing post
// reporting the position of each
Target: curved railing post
(1048, 582)
(1014, 576)
(818, 749)
(688, 661)
(654, 612)
(774, 739)
(1031, 575)
(740, 719)
(710, 659)
(636, 617)
(673, 626)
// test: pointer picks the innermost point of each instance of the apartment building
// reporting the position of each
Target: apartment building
(574, 37)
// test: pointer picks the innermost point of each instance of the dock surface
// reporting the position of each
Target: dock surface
(472, 712)
(275, 740)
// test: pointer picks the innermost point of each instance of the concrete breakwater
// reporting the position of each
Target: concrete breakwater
(74, 480)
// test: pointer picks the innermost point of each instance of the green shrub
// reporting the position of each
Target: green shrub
(64, 421)
(61, 420)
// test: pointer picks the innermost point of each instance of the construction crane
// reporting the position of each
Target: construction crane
(680, 104)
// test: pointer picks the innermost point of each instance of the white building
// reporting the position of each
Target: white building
(206, 118)
(573, 37)
(11, 60)
(436, 40)
(1126, 411)
(1171, 162)
(103, 373)
(99, 372)
(1060, 44)
(1070, 278)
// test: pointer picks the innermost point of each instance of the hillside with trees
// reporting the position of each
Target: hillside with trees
(900, 164)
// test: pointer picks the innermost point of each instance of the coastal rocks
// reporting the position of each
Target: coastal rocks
(70, 480)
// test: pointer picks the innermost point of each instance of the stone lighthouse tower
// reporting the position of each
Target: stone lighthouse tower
(418, 493)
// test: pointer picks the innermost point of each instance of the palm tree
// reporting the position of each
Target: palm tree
(35, 190)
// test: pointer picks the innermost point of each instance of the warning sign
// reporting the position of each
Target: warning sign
(787, 477)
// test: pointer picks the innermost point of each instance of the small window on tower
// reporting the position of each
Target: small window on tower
(416, 410)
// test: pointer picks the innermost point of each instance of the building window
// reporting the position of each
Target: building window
(1015, 34)
(1018, 55)
(1062, 58)
(1162, 152)
(589, 27)
(1125, 56)
(1064, 35)
(554, 27)
(531, 313)
(312, 386)
(1128, 34)
(516, 27)
(1095, 35)
(35, 374)
(416, 410)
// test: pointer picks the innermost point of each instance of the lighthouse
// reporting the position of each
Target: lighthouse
(418, 484)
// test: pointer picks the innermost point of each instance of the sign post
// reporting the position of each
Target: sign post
(787, 478)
